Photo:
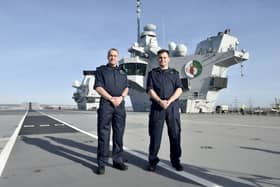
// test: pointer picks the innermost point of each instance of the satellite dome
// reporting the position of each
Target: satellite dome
(76, 84)
(149, 30)
(150, 27)
(172, 46)
(181, 50)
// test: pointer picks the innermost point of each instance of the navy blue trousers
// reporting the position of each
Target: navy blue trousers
(108, 116)
(156, 121)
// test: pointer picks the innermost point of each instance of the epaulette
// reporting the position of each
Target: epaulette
(174, 71)
(100, 67)
(156, 69)
(122, 70)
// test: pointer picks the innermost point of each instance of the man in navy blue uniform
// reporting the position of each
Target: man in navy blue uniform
(111, 83)
(164, 88)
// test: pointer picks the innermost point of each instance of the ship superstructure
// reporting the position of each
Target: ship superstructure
(203, 74)
(85, 96)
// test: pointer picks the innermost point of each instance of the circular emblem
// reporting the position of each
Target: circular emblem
(193, 69)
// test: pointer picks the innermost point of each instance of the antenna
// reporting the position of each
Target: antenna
(138, 11)
(241, 69)
(163, 31)
(235, 102)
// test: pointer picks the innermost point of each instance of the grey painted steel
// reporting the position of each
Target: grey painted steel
(38, 124)
(69, 159)
(230, 149)
(9, 120)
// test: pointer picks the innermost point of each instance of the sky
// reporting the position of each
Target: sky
(46, 44)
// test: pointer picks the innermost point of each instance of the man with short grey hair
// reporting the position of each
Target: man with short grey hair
(112, 84)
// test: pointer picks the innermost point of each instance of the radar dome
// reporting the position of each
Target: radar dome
(150, 27)
(181, 50)
(76, 84)
(172, 46)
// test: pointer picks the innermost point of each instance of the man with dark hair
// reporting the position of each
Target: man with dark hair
(164, 88)
(111, 83)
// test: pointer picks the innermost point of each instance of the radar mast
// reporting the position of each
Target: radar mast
(138, 11)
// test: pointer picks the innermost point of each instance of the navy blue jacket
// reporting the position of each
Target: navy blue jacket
(163, 82)
(113, 80)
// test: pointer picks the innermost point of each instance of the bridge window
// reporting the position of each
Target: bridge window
(135, 68)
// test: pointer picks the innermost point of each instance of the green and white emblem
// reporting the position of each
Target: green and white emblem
(193, 69)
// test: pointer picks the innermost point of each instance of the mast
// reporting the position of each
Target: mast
(138, 11)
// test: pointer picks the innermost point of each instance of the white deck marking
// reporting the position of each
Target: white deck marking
(184, 174)
(44, 125)
(57, 125)
(9, 145)
(28, 126)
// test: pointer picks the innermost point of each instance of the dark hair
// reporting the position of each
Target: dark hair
(163, 51)
(112, 49)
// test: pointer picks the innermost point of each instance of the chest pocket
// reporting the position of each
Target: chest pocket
(170, 79)
(120, 79)
(164, 84)
(116, 81)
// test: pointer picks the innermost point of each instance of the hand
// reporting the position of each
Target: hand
(164, 104)
(119, 100)
(116, 101)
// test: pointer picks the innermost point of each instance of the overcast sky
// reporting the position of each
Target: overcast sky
(46, 44)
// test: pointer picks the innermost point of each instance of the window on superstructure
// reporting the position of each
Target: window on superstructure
(134, 68)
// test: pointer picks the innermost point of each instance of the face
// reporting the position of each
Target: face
(113, 58)
(163, 60)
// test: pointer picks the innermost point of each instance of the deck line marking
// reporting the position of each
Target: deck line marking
(4, 155)
(28, 126)
(184, 174)
(44, 125)
(57, 125)
(73, 127)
